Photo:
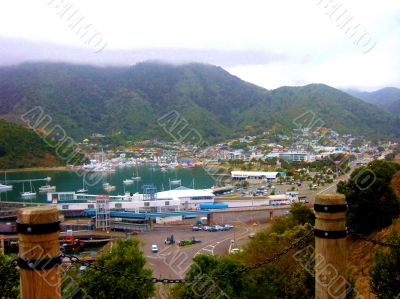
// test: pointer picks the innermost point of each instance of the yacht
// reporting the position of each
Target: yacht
(108, 187)
(128, 181)
(27, 194)
(83, 190)
(5, 187)
(47, 188)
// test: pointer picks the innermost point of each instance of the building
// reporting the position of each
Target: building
(188, 198)
(181, 198)
(291, 156)
(255, 175)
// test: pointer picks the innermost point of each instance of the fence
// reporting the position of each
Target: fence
(39, 255)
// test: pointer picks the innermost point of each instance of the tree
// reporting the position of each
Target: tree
(371, 200)
(385, 273)
(301, 214)
(124, 257)
(9, 280)
(212, 283)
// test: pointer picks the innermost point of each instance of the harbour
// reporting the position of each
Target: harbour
(71, 181)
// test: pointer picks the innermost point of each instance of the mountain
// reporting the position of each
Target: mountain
(334, 108)
(22, 147)
(387, 98)
(127, 101)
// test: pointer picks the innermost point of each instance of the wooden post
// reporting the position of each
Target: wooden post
(330, 246)
(38, 235)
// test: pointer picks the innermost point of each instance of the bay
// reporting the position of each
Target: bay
(67, 181)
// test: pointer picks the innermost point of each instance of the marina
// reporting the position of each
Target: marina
(83, 182)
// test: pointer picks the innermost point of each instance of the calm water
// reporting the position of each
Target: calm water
(70, 181)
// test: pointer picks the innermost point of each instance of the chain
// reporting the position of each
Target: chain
(75, 259)
(273, 258)
(368, 239)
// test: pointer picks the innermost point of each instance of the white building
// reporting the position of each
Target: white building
(257, 175)
(290, 156)
(178, 199)
(187, 198)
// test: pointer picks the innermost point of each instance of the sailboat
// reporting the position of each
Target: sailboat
(27, 194)
(47, 188)
(5, 187)
(136, 178)
(108, 187)
(128, 181)
(83, 190)
(175, 182)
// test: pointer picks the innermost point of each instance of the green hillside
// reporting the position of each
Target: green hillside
(127, 101)
(387, 98)
(335, 108)
(22, 148)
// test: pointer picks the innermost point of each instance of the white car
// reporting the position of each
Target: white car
(228, 226)
(218, 227)
(154, 248)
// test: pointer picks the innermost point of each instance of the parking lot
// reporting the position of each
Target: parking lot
(171, 261)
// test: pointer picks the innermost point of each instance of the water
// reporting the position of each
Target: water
(67, 181)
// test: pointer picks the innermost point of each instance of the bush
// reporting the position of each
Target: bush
(9, 280)
(385, 273)
(124, 257)
(371, 200)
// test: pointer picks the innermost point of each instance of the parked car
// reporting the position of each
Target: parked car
(154, 248)
(209, 229)
(218, 227)
(228, 226)
(196, 228)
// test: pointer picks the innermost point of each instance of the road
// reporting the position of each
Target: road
(172, 261)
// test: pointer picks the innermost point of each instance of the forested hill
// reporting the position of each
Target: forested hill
(387, 98)
(23, 148)
(127, 101)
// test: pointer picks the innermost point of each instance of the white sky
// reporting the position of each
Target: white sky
(269, 43)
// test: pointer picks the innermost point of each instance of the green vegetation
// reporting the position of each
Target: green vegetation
(21, 148)
(385, 273)
(281, 279)
(387, 98)
(9, 279)
(211, 269)
(86, 99)
(370, 197)
(124, 257)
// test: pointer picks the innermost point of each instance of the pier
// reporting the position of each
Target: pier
(47, 179)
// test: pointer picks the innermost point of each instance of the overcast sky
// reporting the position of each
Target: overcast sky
(269, 43)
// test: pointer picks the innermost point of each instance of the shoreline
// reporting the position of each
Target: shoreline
(33, 169)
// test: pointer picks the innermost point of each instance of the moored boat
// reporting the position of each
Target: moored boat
(47, 188)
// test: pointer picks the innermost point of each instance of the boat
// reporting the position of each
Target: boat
(174, 182)
(108, 187)
(128, 181)
(47, 188)
(136, 178)
(83, 190)
(27, 194)
(5, 187)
